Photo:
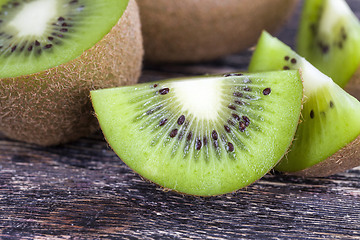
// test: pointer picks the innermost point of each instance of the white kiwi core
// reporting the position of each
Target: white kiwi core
(33, 18)
(200, 97)
(333, 12)
(312, 77)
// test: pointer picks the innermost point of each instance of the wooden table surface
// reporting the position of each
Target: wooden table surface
(82, 190)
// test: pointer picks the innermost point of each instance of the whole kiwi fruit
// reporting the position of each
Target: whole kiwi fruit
(191, 31)
(51, 106)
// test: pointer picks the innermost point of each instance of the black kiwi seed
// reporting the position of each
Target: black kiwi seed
(216, 144)
(287, 58)
(246, 120)
(30, 48)
(73, 1)
(47, 46)
(227, 128)
(162, 122)
(198, 144)
(189, 136)
(237, 94)
(61, 19)
(331, 104)
(231, 122)
(230, 147)
(50, 38)
(286, 68)
(214, 135)
(236, 116)
(267, 91)
(247, 89)
(293, 61)
(173, 133)
(164, 91)
(324, 48)
(312, 113)
(155, 85)
(181, 120)
(232, 107)
(239, 102)
(13, 48)
(242, 126)
(232, 74)
(37, 43)
(205, 141)
(63, 30)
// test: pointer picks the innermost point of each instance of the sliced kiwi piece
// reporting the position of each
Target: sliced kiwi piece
(52, 53)
(329, 38)
(330, 116)
(204, 135)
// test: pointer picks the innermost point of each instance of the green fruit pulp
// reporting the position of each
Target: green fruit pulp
(72, 27)
(330, 116)
(191, 159)
(329, 38)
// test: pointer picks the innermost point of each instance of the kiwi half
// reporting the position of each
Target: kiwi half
(52, 53)
(329, 38)
(190, 31)
(326, 141)
(205, 135)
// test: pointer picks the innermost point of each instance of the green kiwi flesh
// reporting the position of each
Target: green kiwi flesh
(205, 135)
(45, 89)
(330, 116)
(329, 38)
(41, 34)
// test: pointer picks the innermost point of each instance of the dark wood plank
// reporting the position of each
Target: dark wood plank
(82, 190)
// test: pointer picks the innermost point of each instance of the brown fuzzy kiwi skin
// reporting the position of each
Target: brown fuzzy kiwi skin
(346, 158)
(192, 31)
(53, 106)
(353, 86)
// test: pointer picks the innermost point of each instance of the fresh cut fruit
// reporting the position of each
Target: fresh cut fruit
(329, 38)
(327, 139)
(204, 135)
(52, 53)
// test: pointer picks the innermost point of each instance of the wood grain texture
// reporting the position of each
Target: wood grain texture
(82, 190)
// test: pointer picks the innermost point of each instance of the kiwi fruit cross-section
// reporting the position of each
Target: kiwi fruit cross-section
(52, 53)
(201, 30)
(329, 38)
(204, 135)
(327, 138)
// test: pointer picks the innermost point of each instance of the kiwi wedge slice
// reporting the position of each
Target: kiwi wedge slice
(203, 135)
(329, 38)
(327, 138)
(52, 53)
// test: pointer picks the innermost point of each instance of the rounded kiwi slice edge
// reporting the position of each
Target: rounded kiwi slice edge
(329, 118)
(205, 135)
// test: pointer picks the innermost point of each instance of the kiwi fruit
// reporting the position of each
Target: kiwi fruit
(329, 38)
(192, 31)
(52, 53)
(204, 135)
(327, 139)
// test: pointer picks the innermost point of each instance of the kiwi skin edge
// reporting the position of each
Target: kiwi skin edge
(53, 106)
(353, 86)
(344, 159)
(192, 31)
